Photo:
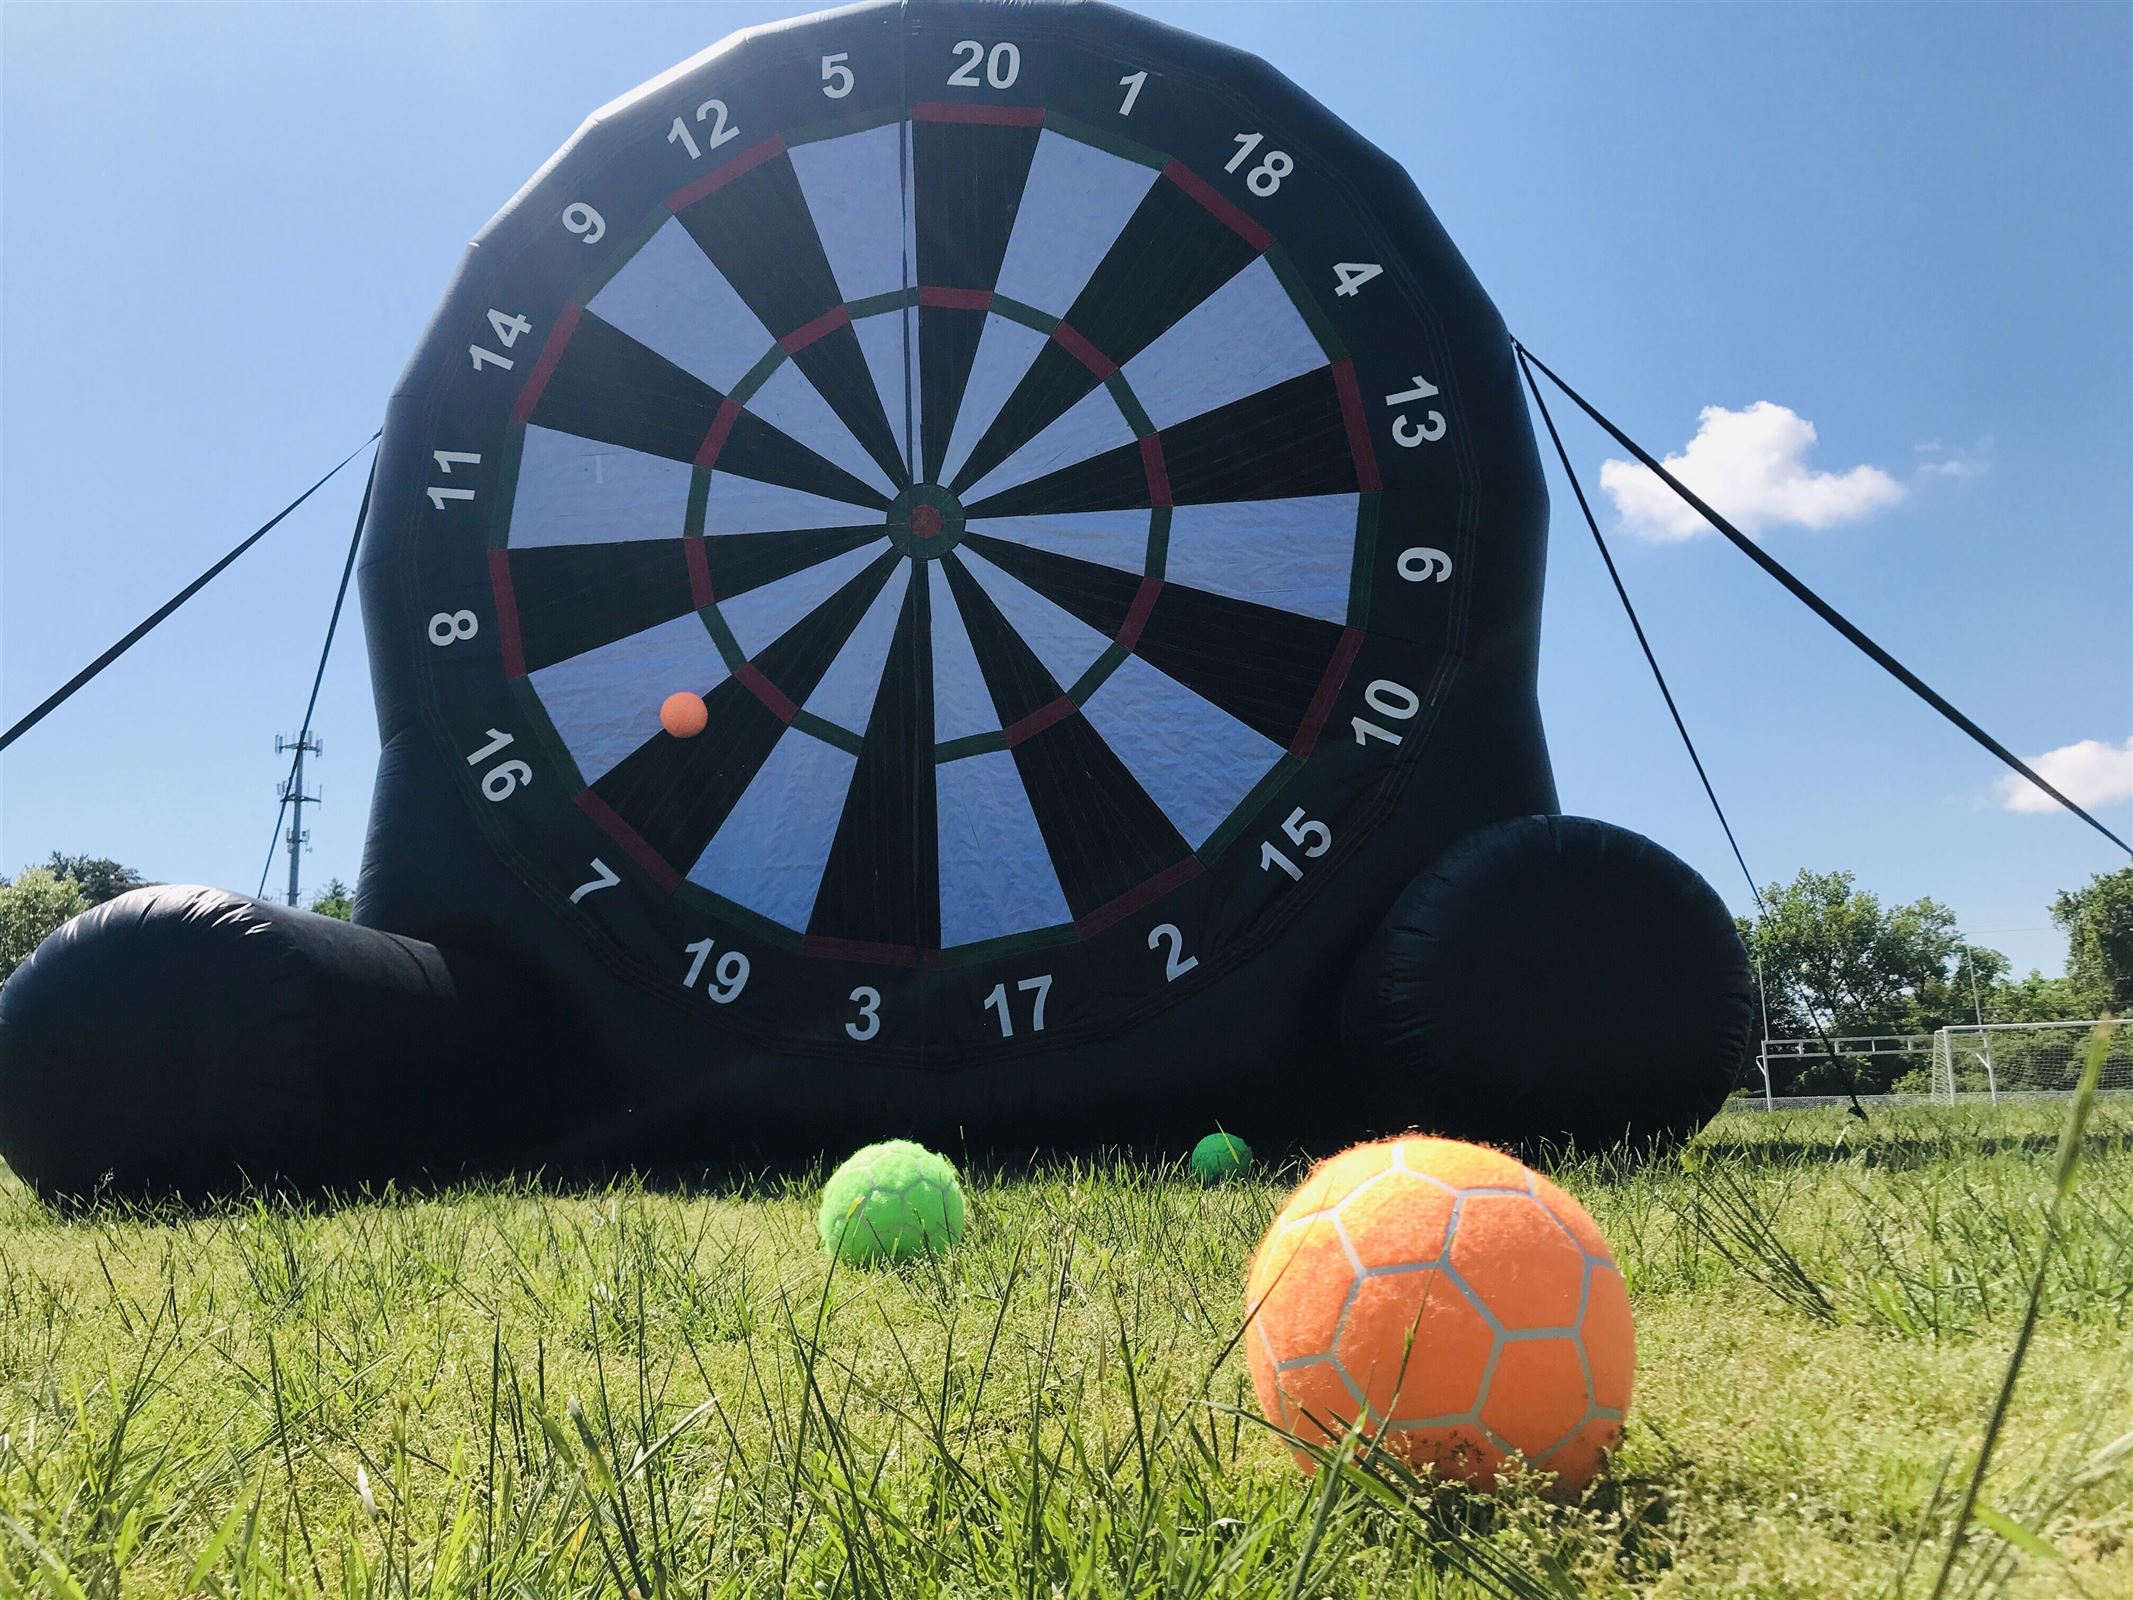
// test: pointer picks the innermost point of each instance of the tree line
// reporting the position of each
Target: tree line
(1830, 959)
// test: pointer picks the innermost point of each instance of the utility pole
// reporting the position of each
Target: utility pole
(292, 790)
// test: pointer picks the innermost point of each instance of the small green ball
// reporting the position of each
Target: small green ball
(1219, 1156)
(892, 1201)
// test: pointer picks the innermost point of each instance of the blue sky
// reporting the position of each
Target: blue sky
(224, 228)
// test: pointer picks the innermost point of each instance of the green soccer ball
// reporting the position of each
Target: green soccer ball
(893, 1201)
(1219, 1156)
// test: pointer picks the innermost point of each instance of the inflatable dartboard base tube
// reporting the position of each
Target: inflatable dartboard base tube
(1551, 984)
(189, 1043)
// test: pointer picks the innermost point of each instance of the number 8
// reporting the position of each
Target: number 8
(1269, 171)
(449, 627)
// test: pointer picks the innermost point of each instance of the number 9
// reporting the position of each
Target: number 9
(728, 978)
(581, 219)
(1421, 564)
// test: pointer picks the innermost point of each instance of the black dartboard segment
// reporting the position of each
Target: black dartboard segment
(1047, 449)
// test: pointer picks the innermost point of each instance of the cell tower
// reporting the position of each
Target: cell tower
(291, 790)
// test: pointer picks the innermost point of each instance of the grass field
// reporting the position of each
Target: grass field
(500, 1392)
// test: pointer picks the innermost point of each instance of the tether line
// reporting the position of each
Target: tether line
(1815, 603)
(1851, 1079)
(355, 540)
(65, 691)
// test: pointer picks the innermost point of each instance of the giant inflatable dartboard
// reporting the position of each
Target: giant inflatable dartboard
(1043, 464)
(948, 568)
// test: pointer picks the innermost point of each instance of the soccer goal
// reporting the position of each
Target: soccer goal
(1997, 1058)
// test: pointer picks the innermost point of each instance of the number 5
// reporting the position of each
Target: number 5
(1299, 829)
(836, 77)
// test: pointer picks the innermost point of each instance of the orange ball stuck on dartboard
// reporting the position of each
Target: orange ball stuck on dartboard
(683, 714)
(1450, 1303)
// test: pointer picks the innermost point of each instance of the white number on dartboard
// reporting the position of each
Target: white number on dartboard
(727, 979)
(1165, 936)
(1393, 701)
(869, 1023)
(1131, 83)
(1352, 275)
(580, 219)
(606, 880)
(1003, 64)
(837, 81)
(1421, 564)
(509, 330)
(1040, 986)
(1314, 837)
(503, 780)
(449, 627)
(720, 130)
(1405, 433)
(446, 460)
(1265, 178)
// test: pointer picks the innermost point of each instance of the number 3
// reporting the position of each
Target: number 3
(869, 1022)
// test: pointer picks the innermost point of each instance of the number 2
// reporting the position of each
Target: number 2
(1166, 934)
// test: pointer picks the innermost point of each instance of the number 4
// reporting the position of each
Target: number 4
(1353, 275)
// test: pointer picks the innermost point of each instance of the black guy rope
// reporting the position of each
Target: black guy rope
(1820, 607)
(59, 696)
(355, 540)
(1851, 1079)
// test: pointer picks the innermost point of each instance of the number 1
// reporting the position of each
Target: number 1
(1132, 86)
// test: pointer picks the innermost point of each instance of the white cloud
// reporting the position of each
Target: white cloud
(1751, 467)
(2091, 773)
(1961, 465)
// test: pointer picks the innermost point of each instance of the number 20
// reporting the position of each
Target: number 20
(1003, 64)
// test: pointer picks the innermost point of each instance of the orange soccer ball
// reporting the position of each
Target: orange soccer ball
(683, 714)
(1453, 1301)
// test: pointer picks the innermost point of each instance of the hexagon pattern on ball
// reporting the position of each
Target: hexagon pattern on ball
(1458, 1305)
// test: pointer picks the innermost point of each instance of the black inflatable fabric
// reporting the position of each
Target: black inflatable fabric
(1550, 982)
(1086, 504)
(186, 1040)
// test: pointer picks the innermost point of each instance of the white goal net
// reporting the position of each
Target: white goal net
(1996, 1058)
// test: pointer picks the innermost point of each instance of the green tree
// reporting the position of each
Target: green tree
(335, 900)
(1834, 958)
(2097, 920)
(31, 907)
(100, 877)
